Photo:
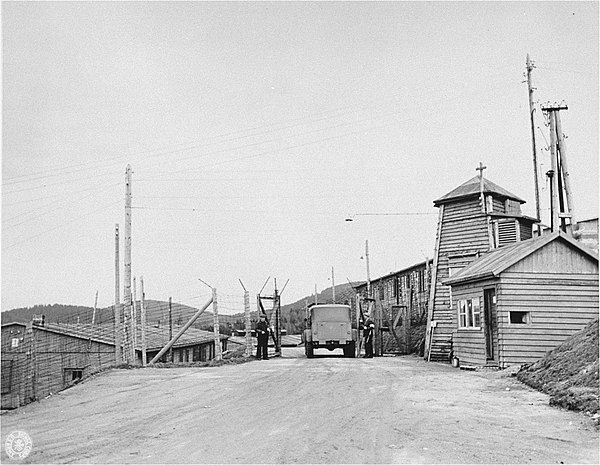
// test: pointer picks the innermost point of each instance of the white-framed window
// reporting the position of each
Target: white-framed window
(469, 313)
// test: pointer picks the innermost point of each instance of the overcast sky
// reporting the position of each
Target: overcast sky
(254, 129)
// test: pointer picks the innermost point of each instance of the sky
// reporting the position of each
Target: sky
(255, 129)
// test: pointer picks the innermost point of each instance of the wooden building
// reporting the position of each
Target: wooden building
(14, 365)
(195, 345)
(515, 303)
(38, 360)
(46, 359)
(404, 297)
(474, 218)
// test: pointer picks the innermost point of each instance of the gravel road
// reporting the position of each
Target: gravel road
(294, 410)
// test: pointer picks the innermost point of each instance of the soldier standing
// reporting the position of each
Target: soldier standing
(369, 329)
(262, 334)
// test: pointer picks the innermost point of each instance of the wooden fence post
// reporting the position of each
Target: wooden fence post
(218, 351)
(143, 321)
(248, 351)
(32, 369)
(358, 328)
(135, 313)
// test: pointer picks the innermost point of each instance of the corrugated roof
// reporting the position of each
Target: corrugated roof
(471, 188)
(495, 262)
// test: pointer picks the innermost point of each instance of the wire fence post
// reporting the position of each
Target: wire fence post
(143, 321)
(135, 319)
(248, 351)
(218, 351)
(31, 365)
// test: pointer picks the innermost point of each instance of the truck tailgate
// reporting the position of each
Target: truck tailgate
(332, 331)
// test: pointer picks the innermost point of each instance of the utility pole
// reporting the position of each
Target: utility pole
(127, 264)
(332, 285)
(530, 89)
(550, 175)
(561, 177)
(554, 168)
(143, 322)
(117, 310)
(562, 149)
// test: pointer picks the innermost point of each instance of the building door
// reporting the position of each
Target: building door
(489, 311)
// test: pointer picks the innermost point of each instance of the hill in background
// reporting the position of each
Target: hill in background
(157, 313)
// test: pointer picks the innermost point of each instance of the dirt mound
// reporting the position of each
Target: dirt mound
(569, 373)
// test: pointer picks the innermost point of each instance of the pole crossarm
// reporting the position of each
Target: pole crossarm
(554, 106)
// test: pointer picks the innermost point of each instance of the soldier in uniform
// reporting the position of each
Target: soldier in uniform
(368, 330)
(262, 334)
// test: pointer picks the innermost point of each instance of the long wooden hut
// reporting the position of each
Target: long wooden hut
(403, 296)
(515, 303)
(474, 218)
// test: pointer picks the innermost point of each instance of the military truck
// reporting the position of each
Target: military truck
(329, 326)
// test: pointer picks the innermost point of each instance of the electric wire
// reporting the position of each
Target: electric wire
(45, 231)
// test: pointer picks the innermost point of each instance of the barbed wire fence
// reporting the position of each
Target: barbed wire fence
(59, 348)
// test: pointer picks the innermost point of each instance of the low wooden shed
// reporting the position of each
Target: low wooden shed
(515, 303)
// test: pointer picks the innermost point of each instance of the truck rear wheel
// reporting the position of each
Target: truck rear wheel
(308, 349)
(350, 350)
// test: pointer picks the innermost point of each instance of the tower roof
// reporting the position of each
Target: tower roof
(471, 189)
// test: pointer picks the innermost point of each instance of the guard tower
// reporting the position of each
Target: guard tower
(474, 218)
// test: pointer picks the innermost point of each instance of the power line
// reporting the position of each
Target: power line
(46, 212)
(28, 238)
(111, 161)
(69, 182)
(270, 152)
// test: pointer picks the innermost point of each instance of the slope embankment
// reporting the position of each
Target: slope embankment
(569, 373)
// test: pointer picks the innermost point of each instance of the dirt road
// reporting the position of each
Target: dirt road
(294, 410)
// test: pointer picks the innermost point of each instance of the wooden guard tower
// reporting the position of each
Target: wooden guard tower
(474, 218)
